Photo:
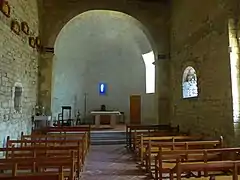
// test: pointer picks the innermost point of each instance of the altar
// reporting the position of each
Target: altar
(42, 121)
(105, 117)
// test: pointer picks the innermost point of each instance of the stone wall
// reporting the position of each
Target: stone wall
(18, 65)
(199, 38)
(153, 16)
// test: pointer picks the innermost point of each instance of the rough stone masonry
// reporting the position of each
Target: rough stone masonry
(18, 67)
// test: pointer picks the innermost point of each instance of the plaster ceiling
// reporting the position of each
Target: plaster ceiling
(102, 30)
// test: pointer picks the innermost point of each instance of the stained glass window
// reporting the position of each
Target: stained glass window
(102, 88)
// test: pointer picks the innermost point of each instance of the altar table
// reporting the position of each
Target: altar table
(113, 117)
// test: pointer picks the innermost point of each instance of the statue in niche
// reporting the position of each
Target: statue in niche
(190, 88)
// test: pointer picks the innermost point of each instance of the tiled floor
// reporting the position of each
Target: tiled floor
(111, 162)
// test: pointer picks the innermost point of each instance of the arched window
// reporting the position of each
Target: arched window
(189, 83)
(150, 72)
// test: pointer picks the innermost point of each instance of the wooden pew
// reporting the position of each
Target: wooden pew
(66, 166)
(153, 149)
(69, 130)
(64, 137)
(44, 146)
(65, 130)
(44, 152)
(146, 128)
(78, 144)
(206, 168)
(33, 176)
(165, 161)
(144, 142)
(136, 136)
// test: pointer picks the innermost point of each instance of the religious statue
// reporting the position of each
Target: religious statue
(190, 88)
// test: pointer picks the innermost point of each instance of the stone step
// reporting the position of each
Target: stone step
(108, 142)
(108, 137)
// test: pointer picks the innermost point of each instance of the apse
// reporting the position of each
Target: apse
(101, 58)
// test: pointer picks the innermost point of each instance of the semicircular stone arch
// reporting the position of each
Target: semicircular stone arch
(118, 15)
(153, 18)
(101, 47)
(133, 20)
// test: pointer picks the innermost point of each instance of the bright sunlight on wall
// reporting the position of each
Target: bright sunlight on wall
(234, 61)
(150, 72)
(189, 83)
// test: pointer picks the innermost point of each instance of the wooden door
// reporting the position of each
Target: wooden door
(135, 109)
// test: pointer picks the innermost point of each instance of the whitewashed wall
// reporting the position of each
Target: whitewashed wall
(101, 47)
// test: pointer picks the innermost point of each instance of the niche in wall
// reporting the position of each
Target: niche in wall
(17, 97)
(189, 83)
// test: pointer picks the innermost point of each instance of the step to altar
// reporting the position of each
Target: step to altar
(108, 137)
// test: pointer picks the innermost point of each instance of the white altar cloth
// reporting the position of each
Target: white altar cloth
(113, 115)
(42, 121)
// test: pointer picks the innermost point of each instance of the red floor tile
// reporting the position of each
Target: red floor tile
(111, 162)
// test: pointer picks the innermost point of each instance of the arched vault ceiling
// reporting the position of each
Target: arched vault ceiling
(100, 29)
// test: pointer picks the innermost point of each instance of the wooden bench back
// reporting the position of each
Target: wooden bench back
(42, 176)
(171, 139)
(135, 135)
(151, 127)
(67, 129)
(174, 145)
(85, 136)
(44, 152)
(63, 164)
(34, 164)
(224, 166)
(43, 160)
(197, 155)
(46, 143)
(131, 128)
(70, 130)
(43, 142)
(204, 155)
(139, 137)
(55, 136)
(155, 147)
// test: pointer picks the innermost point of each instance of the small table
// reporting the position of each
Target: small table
(42, 121)
(112, 114)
